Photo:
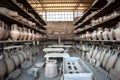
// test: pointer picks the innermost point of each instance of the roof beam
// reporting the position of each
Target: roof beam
(61, 6)
(59, 9)
(77, 5)
(63, 3)
(40, 1)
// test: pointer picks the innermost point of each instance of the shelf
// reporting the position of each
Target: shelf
(105, 10)
(111, 21)
(105, 41)
(21, 11)
(108, 8)
(31, 10)
(14, 21)
(11, 47)
(84, 23)
(21, 41)
(96, 5)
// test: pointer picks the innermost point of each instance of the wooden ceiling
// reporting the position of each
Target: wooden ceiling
(60, 5)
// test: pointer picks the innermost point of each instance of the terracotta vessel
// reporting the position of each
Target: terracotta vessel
(28, 54)
(21, 57)
(25, 34)
(16, 60)
(38, 36)
(110, 34)
(99, 33)
(117, 64)
(12, 13)
(117, 32)
(102, 55)
(51, 69)
(94, 35)
(2, 31)
(29, 34)
(21, 34)
(14, 33)
(97, 57)
(7, 32)
(91, 51)
(24, 54)
(33, 35)
(95, 52)
(3, 68)
(106, 57)
(10, 65)
(88, 36)
(111, 61)
(105, 34)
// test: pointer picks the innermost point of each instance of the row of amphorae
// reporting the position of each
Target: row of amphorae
(13, 59)
(106, 58)
(18, 33)
(103, 34)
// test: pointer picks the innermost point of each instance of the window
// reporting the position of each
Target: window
(58, 16)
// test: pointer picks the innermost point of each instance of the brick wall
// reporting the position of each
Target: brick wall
(64, 29)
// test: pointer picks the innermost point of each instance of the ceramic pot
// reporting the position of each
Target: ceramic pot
(12, 13)
(21, 34)
(51, 69)
(117, 32)
(28, 54)
(24, 54)
(102, 55)
(16, 60)
(14, 33)
(25, 34)
(88, 36)
(111, 61)
(105, 59)
(117, 64)
(3, 68)
(110, 34)
(29, 34)
(94, 35)
(99, 33)
(33, 35)
(91, 51)
(10, 65)
(95, 52)
(21, 57)
(2, 31)
(98, 55)
(105, 34)
(7, 33)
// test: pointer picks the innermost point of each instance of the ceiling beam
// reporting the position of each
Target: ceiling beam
(63, 3)
(59, 9)
(77, 5)
(40, 1)
(61, 6)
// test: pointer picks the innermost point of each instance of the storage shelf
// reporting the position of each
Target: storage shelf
(96, 5)
(31, 10)
(105, 41)
(108, 8)
(20, 41)
(14, 21)
(22, 12)
(111, 21)
(105, 10)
